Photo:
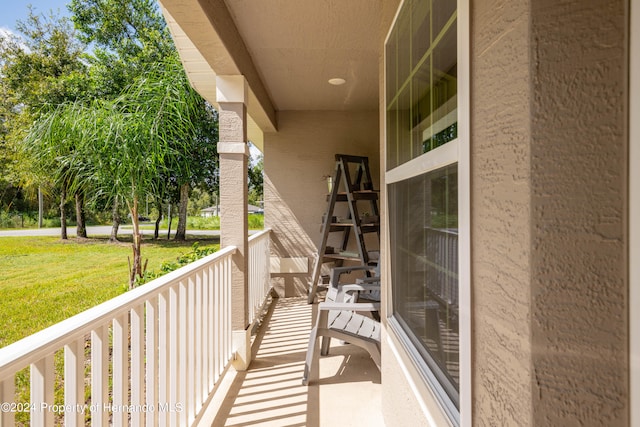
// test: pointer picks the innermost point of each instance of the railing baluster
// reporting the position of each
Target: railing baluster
(164, 373)
(120, 369)
(206, 327)
(8, 395)
(211, 322)
(99, 376)
(217, 316)
(74, 383)
(227, 309)
(151, 353)
(183, 364)
(189, 378)
(198, 344)
(174, 362)
(137, 364)
(42, 377)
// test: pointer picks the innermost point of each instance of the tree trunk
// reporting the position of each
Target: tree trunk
(63, 215)
(40, 208)
(169, 218)
(136, 268)
(115, 217)
(80, 216)
(181, 231)
(156, 233)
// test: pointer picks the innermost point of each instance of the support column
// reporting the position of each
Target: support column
(233, 151)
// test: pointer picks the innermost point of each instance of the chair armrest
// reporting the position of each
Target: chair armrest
(359, 287)
(336, 272)
(350, 306)
(367, 280)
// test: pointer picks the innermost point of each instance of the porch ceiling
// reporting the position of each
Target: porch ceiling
(288, 49)
(298, 46)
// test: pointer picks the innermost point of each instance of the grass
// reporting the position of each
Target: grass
(46, 280)
(256, 222)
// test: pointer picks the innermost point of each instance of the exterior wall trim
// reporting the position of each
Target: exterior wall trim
(464, 210)
(634, 212)
(233, 148)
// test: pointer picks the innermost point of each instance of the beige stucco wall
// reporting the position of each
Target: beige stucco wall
(500, 214)
(296, 161)
(548, 217)
(578, 227)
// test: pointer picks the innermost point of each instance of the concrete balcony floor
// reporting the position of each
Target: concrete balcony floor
(270, 393)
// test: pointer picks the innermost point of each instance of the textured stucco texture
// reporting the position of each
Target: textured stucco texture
(578, 206)
(233, 200)
(548, 213)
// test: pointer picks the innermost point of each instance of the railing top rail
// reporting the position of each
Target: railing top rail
(47, 341)
(260, 234)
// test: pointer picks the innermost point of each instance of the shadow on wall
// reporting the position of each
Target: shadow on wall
(289, 240)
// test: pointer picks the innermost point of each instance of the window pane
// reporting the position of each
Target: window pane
(421, 31)
(424, 230)
(391, 58)
(444, 89)
(421, 80)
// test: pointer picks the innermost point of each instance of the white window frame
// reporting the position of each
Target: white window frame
(634, 212)
(454, 151)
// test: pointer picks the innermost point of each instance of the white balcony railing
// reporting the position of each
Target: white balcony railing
(151, 355)
(259, 278)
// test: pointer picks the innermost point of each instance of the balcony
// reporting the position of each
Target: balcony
(161, 354)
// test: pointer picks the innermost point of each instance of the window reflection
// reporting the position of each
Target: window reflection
(424, 232)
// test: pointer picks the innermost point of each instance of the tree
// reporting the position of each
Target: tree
(256, 181)
(125, 145)
(39, 71)
(130, 36)
(203, 163)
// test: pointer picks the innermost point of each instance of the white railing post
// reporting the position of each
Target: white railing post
(74, 383)
(152, 360)
(99, 376)
(42, 377)
(190, 367)
(7, 395)
(183, 361)
(137, 364)
(198, 398)
(164, 371)
(120, 369)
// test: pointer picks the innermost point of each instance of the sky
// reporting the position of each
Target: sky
(13, 10)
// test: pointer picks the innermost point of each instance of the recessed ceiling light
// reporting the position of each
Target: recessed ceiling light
(337, 81)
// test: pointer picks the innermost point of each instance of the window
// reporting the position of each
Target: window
(424, 259)
(421, 83)
(427, 186)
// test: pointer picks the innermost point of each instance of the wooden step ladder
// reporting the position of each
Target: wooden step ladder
(349, 189)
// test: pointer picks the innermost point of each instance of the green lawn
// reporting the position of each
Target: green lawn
(44, 280)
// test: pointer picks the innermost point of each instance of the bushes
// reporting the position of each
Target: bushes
(17, 220)
(168, 266)
(256, 222)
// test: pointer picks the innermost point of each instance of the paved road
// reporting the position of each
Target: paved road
(95, 230)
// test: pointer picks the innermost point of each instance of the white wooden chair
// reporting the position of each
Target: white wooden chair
(342, 320)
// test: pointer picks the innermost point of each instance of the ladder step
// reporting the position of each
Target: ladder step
(366, 228)
(357, 195)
